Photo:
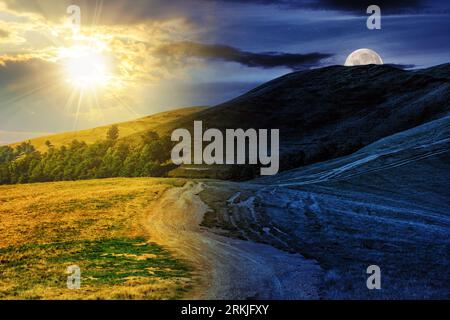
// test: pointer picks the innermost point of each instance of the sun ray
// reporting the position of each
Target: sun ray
(11, 103)
(70, 100)
(124, 105)
(80, 100)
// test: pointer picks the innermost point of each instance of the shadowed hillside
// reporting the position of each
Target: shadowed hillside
(330, 112)
(387, 204)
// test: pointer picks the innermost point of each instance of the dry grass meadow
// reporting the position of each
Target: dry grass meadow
(97, 225)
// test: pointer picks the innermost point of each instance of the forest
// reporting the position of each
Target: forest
(110, 157)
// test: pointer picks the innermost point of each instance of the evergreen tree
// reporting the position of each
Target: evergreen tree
(6, 154)
(113, 133)
(25, 148)
(78, 160)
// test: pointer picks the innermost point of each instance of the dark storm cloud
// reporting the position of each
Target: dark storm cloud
(13, 71)
(294, 61)
(19, 75)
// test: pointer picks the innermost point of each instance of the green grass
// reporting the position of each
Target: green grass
(107, 262)
(98, 225)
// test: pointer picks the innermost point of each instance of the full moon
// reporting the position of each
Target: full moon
(363, 57)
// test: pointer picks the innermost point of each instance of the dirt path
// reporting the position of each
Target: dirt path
(227, 268)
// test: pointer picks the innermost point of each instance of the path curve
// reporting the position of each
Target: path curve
(227, 268)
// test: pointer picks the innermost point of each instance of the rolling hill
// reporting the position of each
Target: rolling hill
(322, 114)
(131, 130)
(334, 111)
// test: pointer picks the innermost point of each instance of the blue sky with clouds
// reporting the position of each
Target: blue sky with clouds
(410, 35)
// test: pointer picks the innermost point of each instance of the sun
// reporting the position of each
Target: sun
(85, 67)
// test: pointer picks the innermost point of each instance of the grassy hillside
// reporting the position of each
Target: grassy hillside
(131, 130)
(98, 225)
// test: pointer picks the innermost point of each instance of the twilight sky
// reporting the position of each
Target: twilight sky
(164, 54)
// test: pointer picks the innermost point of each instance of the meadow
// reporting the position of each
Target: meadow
(98, 225)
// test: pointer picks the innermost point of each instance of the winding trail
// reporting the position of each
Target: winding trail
(227, 268)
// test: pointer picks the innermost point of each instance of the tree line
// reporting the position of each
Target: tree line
(79, 161)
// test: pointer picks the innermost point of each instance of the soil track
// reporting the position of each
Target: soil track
(227, 268)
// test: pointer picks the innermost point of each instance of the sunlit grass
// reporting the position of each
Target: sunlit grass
(96, 225)
(131, 131)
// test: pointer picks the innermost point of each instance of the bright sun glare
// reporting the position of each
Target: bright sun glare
(85, 67)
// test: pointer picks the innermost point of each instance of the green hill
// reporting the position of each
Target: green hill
(161, 123)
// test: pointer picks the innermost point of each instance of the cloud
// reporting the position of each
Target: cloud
(20, 72)
(4, 33)
(198, 12)
(33, 40)
(295, 61)
(360, 6)
(110, 12)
